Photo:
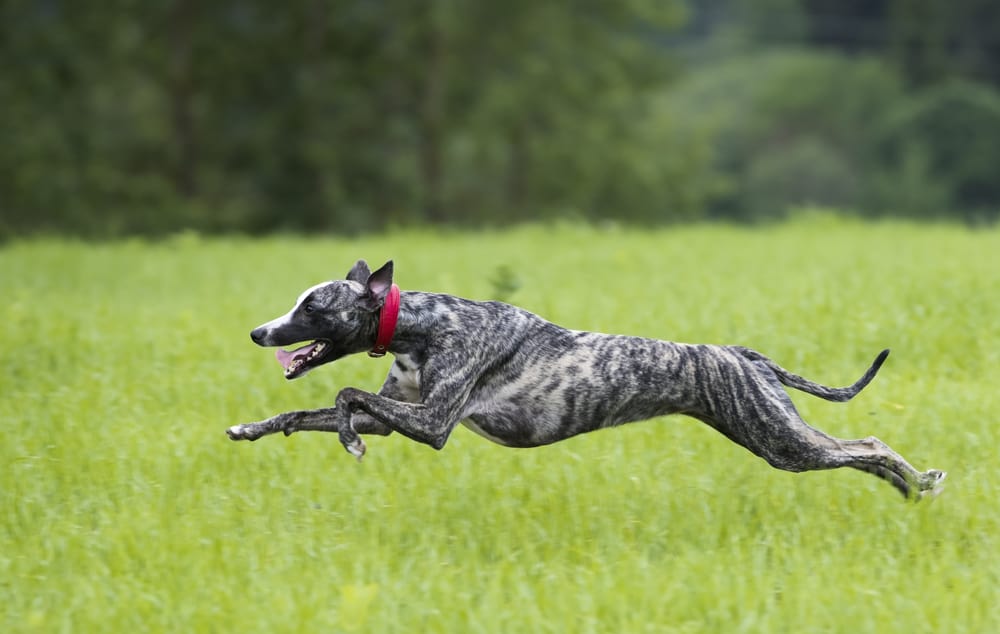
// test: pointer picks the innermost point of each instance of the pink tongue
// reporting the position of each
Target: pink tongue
(286, 358)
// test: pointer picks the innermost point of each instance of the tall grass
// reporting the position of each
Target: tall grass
(127, 509)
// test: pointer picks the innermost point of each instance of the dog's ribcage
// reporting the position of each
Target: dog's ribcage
(533, 382)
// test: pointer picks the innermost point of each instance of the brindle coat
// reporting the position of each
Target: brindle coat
(521, 381)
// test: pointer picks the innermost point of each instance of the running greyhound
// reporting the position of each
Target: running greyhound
(521, 381)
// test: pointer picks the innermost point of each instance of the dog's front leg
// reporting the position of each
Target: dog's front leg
(325, 419)
(416, 421)
(362, 422)
(348, 434)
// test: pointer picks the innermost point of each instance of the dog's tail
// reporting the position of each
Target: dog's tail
(838, 394)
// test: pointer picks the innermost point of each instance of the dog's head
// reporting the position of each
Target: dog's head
(338, 317)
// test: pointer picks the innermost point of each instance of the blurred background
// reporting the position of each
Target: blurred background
(149, 117)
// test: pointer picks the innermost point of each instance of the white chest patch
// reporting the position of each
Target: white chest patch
(407, 380)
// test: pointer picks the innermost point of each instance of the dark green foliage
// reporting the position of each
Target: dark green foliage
(790, 127)
(128, 117)
(950, 136)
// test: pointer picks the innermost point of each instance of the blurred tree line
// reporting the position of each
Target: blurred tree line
(150, 116)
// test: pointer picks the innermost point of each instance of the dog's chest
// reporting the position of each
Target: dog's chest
(406, 373)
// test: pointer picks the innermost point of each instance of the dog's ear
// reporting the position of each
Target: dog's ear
(359, 272)
(376, 288)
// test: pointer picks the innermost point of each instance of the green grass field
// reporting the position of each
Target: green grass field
(126, 508)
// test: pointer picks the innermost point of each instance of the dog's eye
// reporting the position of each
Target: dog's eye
(308, 308)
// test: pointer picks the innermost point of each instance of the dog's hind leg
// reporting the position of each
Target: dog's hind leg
(765, 421)
(787, 442)
(813, 450)
(871, 455)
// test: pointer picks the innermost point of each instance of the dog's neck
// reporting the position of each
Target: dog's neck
(387, 320)
(418, 319)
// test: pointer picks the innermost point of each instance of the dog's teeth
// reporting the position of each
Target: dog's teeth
(295, 365)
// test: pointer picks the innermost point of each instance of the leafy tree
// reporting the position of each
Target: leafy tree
(130, 116)
(950, 134)
(789, 127)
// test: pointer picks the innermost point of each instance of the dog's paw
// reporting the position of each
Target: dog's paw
(356, 448)
(931, 484)
(241, 432)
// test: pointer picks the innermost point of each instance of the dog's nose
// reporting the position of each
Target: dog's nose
(258, 334)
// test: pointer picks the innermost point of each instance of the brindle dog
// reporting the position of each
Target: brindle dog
(521, 381)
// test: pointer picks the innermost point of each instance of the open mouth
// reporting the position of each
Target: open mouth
(301, 360)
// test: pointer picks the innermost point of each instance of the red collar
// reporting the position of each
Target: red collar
(387, 319)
